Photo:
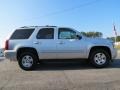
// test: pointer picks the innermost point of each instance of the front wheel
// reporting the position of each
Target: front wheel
(27, 61)
(100, 58)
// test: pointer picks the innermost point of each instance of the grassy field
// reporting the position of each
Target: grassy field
(118, 47)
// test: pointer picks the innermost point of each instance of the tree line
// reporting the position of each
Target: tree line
(92, 34)
(113, 38)
(99, 34)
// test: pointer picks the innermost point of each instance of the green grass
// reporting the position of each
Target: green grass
(117, 46)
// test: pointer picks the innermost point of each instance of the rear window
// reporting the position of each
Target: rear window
(22, 34)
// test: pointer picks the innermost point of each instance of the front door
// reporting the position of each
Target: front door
(68, 44)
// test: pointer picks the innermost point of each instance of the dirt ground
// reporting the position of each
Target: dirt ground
(72, 75)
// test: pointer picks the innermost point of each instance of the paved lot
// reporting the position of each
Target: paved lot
(60, 76)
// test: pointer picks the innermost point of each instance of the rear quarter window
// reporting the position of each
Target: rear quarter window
(22, 34)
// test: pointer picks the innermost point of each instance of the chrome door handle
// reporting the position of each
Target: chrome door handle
(36, 42)
(60, 42)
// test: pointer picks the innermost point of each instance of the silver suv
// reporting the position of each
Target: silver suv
(29, 45)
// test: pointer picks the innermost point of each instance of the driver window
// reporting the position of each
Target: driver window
(66, 33)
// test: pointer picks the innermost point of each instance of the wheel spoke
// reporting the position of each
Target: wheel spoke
(100, 58)
(27, 61)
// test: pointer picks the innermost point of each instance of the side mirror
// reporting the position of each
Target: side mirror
(79, 37)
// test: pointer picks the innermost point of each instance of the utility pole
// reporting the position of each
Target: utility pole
(114, 28)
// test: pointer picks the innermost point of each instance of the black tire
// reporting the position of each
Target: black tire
(96, 62)
(32, 63)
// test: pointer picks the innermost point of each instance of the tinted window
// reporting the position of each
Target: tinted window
(66, 33)
(46, 33)
(22, 34)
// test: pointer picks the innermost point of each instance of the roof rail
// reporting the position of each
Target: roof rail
(50, 26)
(28, 26)
(37, 26)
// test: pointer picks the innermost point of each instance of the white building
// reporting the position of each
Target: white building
(117, 43)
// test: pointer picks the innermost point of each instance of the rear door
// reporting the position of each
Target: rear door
(46, 43)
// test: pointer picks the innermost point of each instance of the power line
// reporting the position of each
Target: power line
(70, 9)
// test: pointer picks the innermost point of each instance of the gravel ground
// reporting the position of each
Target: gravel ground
(60, 76)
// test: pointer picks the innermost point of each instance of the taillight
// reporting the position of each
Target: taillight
(6, 44)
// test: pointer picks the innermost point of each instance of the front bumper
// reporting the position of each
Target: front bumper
(114, 53)
(10, 54)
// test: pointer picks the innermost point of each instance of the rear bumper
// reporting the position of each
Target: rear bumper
(11, 55)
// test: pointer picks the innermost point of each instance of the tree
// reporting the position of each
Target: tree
(113, 38)
(83, 33)
(118, 39)
(92, 34)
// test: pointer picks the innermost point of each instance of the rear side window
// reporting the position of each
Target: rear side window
(46, 33)
(22, 34)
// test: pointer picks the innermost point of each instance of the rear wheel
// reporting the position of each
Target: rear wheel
(27, 61)
(100, 58)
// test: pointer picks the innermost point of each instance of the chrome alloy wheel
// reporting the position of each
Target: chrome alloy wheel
(27, 61)
(100, 58)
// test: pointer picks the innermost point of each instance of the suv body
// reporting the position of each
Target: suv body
(52, 42)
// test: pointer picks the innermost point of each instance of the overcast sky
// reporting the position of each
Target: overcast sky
(83, 15)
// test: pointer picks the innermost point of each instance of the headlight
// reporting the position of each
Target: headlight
(113, 45)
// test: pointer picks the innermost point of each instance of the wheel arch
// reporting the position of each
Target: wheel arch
(107, 49)
(25, 49)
